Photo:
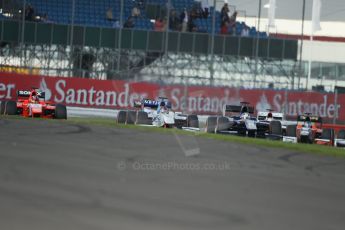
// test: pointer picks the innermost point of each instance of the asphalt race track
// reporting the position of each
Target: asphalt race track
(57, 175)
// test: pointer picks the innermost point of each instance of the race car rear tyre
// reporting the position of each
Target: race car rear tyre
(251, 133)
(60, 112)
(341, 134)
(131, 117)
(121, 117)
(192, 121)
(262, 129)
(10, 108)
(328, 134)
(211, 124)
(143, 118)
(242, 132)
(222, 124)
(276, 128)
(291, 130)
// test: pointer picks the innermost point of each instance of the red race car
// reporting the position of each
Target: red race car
(308, 128)
(31, 103)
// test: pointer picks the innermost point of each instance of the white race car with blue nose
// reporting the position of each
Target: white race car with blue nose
(158, 113)
(242, 123)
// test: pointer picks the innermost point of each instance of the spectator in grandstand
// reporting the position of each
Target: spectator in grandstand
(158, 24)
(184, 18)
(29, 13)
(245, 31)
(45, 19)
(165, 24)
(232, 19)
(174, 23)
(116, 24)
(224, 13)
(109, 14)
(192, 27)
(129, 23)
(224, 27)
(140, 3)
(197, 11)
(135, 11)
(231, 30)
(205, 8)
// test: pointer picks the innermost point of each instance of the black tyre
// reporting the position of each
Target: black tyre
(327, 134)
(262, 129)
(306, 140)
(121, 117)
(223, 124)
(291, 130)
(341, 134)
(60, 112)
(2, 108)
(242, 131)
(192, 121)
(211, 124)
(276, 128)
(131, 117)
(10, 108)
(143, 118)
(251, 133)
(341, 144)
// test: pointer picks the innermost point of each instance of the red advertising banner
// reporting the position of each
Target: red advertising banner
(195, 99)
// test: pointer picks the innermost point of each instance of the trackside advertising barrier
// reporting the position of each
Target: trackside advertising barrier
(194, 99)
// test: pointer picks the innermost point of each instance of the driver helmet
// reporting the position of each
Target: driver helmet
(34, 95)
(269, 117)
(307, 122)
(244, 116)
(162, 105)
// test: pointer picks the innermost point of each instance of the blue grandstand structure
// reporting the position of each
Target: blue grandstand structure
(92, 13)
(75, 38)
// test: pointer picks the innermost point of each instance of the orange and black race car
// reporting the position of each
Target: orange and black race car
(32, 103)
(309, 128)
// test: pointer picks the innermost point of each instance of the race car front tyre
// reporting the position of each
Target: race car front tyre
(60, 112)
(192, 121)
(10, 108)
(131, 117)
(341, 144)
(143, 118)
(121, 117)
(222, 124)
(211, 124)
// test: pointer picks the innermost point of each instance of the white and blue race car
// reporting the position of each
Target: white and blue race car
(157, 113)
(240, 121)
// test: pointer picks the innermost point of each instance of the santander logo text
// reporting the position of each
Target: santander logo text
(193, 99)
(95, 97)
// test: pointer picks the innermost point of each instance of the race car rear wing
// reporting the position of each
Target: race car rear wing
(239, 108)
(26, 93)
(151, 103)
(275, 116)
(303, 118)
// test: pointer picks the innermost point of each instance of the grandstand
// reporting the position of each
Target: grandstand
(92, 13)
(77, 40)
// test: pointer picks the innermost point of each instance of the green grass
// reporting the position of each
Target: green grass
(304, 148)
